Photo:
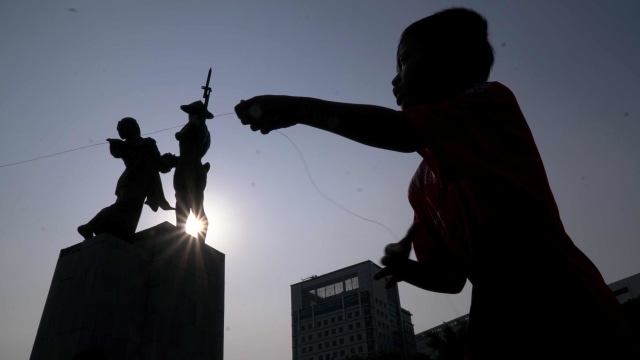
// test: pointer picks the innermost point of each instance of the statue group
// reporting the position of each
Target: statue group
(140, 182)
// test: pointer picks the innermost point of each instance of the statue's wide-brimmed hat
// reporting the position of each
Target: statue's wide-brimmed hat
(197, 108)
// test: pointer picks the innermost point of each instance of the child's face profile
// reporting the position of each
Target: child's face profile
(425, 74)
(416, 77)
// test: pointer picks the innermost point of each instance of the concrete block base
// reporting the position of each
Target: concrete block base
(160, 297)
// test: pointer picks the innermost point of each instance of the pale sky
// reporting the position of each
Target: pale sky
(70, 70)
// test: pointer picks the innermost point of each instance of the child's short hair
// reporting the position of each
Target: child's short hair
(459, 35)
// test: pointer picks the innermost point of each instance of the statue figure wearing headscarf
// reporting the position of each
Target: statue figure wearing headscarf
(140, 181)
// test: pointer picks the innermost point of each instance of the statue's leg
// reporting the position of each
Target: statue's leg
(86, 231)
(119, 219)
(182, 210)
(198, 211)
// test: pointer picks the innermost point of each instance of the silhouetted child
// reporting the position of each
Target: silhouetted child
(483, 207)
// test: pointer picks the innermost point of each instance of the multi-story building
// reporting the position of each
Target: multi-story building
(346, 312)
(626, 289)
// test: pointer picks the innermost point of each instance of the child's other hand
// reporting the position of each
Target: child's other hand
(399, 252)
(395, 253)
(395, 272)
(269, 112)
(396, 258)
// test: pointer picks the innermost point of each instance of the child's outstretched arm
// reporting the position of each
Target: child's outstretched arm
(368, 124)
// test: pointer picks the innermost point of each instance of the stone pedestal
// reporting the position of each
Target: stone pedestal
(160, 297)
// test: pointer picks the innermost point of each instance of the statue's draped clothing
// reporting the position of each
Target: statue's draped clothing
(139, 181)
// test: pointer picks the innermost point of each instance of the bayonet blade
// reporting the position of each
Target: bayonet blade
(207, 90)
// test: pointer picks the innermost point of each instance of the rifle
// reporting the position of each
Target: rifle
(207, 90)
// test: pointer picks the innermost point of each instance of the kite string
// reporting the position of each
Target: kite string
(335, 203)
(86, 146)
(51, 155)
(302, 158)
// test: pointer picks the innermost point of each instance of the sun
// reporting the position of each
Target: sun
(193, 226)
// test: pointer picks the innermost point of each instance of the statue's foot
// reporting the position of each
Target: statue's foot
(152, 204)
(85, 231)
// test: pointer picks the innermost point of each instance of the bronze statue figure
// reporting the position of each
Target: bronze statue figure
(190, 176)
(139, 181)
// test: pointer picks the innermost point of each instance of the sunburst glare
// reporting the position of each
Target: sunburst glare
(194, 226)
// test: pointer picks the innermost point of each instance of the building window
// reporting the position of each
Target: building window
(333, 331)
(319, 334)
(351, 284)
(326, 322)
(302, 338)
(319, 323)
(351, 338)
(359, 336)
(310, 336)
(357, 313)
(621, 291)
(340, 329)
(302, 328)
(319, 346)
(350, 326)
(341, 341)
(359, 348)
(358, 325)
(341, 352)
(333, 343)
(339, 317)
(326, 333)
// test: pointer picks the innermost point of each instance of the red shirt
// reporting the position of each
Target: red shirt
(483, 194)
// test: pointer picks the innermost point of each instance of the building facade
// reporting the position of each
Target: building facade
(626, 289)
(345, 313)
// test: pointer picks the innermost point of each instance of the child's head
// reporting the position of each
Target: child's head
(441, 55)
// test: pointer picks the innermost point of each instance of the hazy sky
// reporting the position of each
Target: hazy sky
(69, 70)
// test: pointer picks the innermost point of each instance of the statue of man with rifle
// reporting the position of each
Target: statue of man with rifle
(190, 176)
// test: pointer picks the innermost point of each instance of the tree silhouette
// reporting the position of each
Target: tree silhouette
(389, 355)
(448, 342)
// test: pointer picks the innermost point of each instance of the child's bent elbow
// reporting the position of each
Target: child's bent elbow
(456, 285)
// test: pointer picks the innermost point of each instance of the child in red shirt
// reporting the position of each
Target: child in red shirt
(484, 211)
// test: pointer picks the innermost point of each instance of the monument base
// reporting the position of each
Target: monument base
(160, 297)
